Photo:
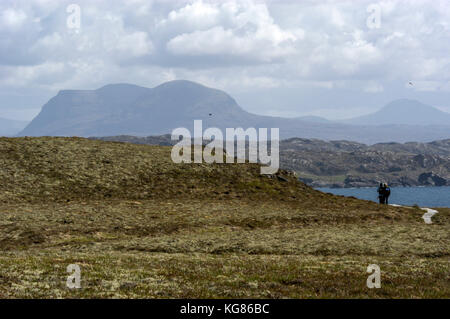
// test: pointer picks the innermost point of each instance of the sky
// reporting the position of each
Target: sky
(336, 59)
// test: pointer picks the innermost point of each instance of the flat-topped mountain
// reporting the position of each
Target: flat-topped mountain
(125, 109)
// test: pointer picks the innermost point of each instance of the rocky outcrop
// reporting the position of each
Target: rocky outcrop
(351, 164)
(431, 179)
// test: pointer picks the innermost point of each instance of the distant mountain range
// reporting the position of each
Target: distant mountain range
(11, 127)
(119, 109)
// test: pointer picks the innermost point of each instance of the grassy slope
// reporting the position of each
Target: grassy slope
(142, 226)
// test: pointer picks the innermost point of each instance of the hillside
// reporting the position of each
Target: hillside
(351, 164)
(404, 112)
(140, 226)
(61, 169)
(125, 109)
(439, 148)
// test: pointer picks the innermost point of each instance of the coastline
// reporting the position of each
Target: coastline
(352, 182)
(422, 196)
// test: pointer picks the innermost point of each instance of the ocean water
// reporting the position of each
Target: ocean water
(408, 196)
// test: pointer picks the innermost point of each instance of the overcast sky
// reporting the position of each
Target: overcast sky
(335, 59)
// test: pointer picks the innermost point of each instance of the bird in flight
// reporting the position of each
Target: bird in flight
(410, 83)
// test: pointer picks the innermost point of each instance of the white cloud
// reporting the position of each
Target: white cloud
(230, 29)
(41, 74)
(11, 18)
(231, 44)
(430, 86)
(373, 87)
(194, 16)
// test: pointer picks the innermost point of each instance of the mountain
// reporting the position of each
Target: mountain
(406, 112)
(81, 112)
(11, 127)
(125, 109)
(128, 109)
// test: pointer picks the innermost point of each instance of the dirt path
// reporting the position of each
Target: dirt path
(429, 213)
(426, 217)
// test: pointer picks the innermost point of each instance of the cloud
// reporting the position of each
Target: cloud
(240, 30)
(12, 19)
(234, 45)
(373, 87)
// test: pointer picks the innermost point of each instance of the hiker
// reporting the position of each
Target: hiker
(387, 192)
(381, 193)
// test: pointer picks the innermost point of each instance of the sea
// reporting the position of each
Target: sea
(422, 196)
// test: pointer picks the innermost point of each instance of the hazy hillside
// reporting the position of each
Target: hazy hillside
(404, 112)
(75, 112)
(11, 127)
(124, 109)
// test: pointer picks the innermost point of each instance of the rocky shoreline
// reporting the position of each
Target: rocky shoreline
(424, 179)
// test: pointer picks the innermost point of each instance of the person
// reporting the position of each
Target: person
(387, 192)
(381, 193)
